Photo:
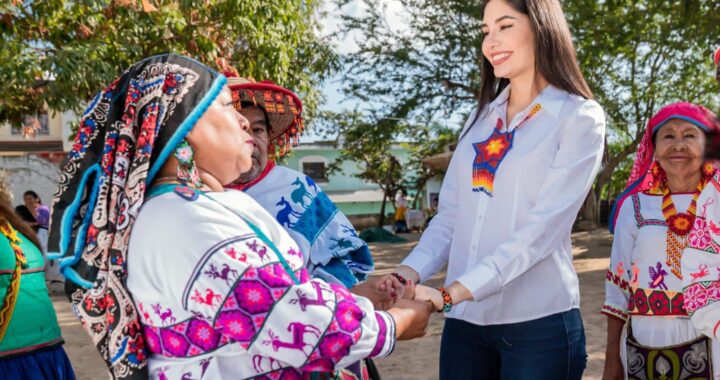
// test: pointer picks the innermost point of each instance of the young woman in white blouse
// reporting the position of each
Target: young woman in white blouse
(525, 162)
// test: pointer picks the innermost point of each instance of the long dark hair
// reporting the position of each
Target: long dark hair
(34, 195)
(555, 57)
(8, 215)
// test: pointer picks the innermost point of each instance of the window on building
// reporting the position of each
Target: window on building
(315, 170)
(32, 126)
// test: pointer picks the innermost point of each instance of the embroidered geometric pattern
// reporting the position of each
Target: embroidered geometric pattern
(490, 153)
(656, 303)
(701, 294)
(241, 316)
(615, 312)
(641, 222)
(619, 282)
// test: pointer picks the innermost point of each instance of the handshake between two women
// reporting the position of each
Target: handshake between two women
(409, 304)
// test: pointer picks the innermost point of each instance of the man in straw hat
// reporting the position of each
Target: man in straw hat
(331, 246)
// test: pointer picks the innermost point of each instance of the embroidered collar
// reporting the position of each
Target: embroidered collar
(244, 186)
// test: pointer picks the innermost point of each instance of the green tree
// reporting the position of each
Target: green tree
(368, 141)
(372, 142)
(427, 140)
(60, 53)
(637, 55)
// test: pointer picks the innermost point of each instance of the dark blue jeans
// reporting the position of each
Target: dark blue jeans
(551, 348)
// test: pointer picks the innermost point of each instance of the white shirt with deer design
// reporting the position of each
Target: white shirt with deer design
(217, 303)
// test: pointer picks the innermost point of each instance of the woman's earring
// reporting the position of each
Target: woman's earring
(187, 171)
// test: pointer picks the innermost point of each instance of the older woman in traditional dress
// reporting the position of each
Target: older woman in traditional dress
(174, 275)
(651, 222)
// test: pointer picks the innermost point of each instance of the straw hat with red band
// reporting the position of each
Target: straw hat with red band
(282, 107)
(644, 176)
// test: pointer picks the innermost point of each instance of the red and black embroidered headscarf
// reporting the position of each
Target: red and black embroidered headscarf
(124, 137)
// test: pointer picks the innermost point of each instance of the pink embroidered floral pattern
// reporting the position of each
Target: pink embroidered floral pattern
(701, 238)
(242, 313)
(701, 294)
(240, 317)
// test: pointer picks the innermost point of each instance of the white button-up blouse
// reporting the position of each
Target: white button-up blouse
(512, 248)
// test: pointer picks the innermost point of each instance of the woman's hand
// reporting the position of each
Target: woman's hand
(432, 295)
(614, 369)
(382, 291)
(408, 273)
(411, 318)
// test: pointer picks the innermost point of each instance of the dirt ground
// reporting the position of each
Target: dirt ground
(417, 359)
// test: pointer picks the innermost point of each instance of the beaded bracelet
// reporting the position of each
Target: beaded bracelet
(447, 301)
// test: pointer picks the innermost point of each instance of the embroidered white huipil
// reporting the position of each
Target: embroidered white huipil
(512, 249)
(641, 284)
(217, 303)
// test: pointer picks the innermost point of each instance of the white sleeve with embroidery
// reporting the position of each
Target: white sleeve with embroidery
(617, 284)
(702, 256)
(572, 174)
(241, 288)
(216, 301)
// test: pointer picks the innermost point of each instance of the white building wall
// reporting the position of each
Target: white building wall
(432, 187)
(30, 172)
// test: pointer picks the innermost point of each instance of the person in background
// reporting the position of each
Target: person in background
(37, 215)
(400, 213)
(333, 251)
(651, 221)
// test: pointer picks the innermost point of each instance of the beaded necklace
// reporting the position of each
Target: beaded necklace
(679, 226)
(8, 305)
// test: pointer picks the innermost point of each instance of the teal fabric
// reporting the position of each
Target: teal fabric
(33, 322)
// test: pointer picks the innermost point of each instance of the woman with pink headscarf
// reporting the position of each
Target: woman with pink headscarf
(651, 221)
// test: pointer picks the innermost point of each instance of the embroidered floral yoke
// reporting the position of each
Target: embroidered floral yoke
(217, 302)
(640, 283)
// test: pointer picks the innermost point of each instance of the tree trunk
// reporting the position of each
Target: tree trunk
(589, 211)
(381, 219)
